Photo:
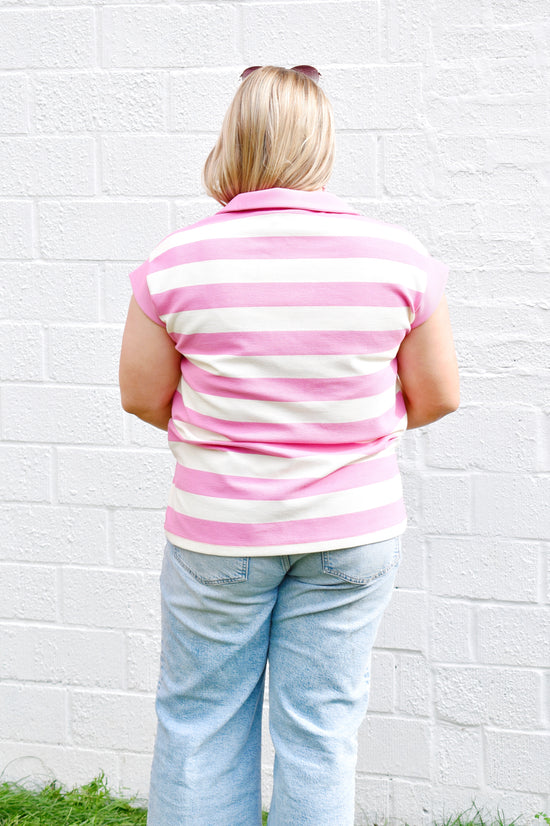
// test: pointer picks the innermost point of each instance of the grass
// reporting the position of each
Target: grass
(94, 805)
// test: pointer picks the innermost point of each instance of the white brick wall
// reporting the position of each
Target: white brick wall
(108, 112)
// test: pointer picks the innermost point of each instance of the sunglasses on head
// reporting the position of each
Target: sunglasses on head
(309, 71)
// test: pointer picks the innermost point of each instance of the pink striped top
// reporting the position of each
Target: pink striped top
(288, 308)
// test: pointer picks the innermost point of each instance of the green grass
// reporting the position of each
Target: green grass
(90, 805)
(94, 805)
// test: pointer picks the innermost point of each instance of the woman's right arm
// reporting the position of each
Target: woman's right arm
(428, 369)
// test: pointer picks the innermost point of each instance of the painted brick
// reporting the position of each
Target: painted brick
(44, 38)
(355, 165)
(63, 656)
(138, 539)
(29, 592)
(69, 354)
(170, 36)
(458, 756)
(517, 11)
(199, 99)
(114, 478)
(406, 35)
(405, 622)
(470, 696)
(39, 291)
(47, 166)
(143, 662)
(123, 722)
(522, 388)
(97, 230)
(410, 166)
(447, 502)
(116, 291)
(496, 511)
(141, 434)
(14, 96)
(65, 764)
(483, 568)
(110, 599)
(412, 568)
(51, 534)
(24, 345)
(412, 797)
(295, 33)
(485, 118)
(15, 229)
(26, 474)
(442, 80)
(195, 209)
(479, 41)
(382, 690)
(135, 772)
(514, 635)
(153, 164)
(448, 800)
(413, 685)
(502, 286)
(90, 100)
(34, 714)
(371, 799)
(518, 762)
(394, 745)
(61, 414)
(450, 631)
(380, 97)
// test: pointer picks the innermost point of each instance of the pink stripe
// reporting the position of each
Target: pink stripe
(282, 450)
(290, 390)
(298, 432)
(284, 294)
(245, 487)
(275, 343)
(283, 533)
(293, 246)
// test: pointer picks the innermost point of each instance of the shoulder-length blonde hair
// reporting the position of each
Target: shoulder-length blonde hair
(277, 132)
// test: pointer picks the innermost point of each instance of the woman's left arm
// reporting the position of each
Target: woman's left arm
(149, 369)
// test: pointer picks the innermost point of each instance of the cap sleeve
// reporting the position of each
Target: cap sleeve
(140, 289)
(437, 273)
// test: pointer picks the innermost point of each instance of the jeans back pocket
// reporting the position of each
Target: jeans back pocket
(363, 564)
(211, 569)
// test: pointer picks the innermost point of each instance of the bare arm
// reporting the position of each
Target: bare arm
(428, 369)
(149, 369)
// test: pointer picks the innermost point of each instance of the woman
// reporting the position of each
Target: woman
(285, 344)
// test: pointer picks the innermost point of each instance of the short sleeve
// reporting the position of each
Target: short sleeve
(437, 273)
(140, 288)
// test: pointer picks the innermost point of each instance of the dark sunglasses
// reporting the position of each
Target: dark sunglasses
(309, 71)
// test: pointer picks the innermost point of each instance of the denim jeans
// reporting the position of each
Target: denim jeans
(314, 617)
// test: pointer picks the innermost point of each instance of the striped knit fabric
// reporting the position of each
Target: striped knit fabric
(288, 308)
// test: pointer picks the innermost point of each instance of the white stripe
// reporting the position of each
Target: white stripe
(265, 319)
(274, 223)
(196, 434)
(294, 367)
(288, 270)
(257, 511)
(297, 547)
(260, 466)
(259, 411)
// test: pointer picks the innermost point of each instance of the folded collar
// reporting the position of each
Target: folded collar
(279, 198)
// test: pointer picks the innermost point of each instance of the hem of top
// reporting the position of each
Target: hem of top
(285, 549)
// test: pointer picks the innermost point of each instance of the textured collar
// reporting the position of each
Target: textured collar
(279, 198)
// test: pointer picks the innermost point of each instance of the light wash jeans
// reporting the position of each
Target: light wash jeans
(314, 617)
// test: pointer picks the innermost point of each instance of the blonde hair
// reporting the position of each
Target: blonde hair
(277, 132)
